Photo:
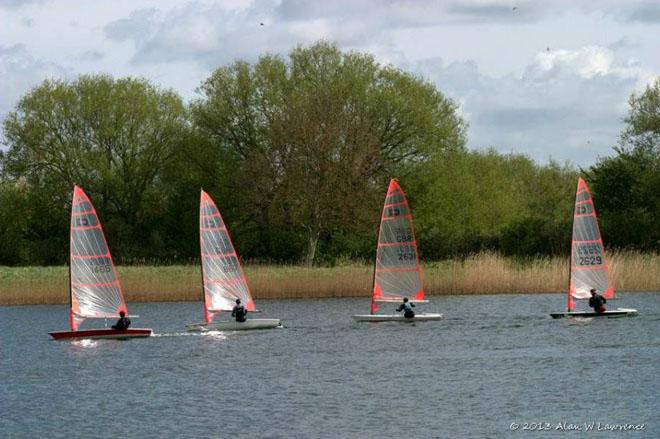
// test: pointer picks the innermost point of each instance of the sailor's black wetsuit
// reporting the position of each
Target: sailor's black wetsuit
(240, 313)
(596, 302)
(407, 309)
(122, 324)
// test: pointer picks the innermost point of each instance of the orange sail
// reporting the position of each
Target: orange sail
(222, 274)
(397, 273)
(94, 285)
(588, 264)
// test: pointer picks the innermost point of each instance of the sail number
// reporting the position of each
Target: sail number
(407, 253)
(393, 211)
(81, 221)
(588, 249)
(590, 260)
(211, 222)
(582, 209)
(403, 234)
(101, 269)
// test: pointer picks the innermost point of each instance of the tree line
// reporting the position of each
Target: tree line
(297, 153)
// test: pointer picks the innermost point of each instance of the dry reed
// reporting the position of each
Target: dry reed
(485, 273)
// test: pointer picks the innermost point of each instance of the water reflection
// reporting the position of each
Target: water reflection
(85, 343)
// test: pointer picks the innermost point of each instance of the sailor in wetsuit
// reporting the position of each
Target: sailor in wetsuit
(239, 312)
(407, 308)
(597, 302)
(123, 323)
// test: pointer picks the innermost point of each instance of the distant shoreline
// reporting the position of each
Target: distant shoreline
(485, 273)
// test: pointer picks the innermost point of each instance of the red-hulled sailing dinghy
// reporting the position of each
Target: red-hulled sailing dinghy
(95, 291)
(397, 273)
(589, 267)
(222, 275)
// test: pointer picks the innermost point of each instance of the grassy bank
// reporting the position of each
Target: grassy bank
(480, 274)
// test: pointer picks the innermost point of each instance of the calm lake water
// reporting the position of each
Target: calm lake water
(493, 361)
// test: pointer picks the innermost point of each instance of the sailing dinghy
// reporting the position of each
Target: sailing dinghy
(589, 267)
(397, 273)
(95, 291)
(222, 274)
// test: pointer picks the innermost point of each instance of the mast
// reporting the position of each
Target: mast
(71, 323)
(201, 262)
(373, 308)
(569, 301)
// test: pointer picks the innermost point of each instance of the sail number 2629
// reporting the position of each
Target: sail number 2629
(589, 260)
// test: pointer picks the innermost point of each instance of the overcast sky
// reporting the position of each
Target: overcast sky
(550, 79)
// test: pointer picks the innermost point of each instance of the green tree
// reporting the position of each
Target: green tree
(625, 186)
(313, 141)
(111, 136)
(13, 223)
(543, 226)
(467, 202)
(642, 131)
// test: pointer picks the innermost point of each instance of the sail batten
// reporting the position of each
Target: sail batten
(219, 255)
(99, 256)
(222, 275)
(393, 244)
(397, 218)
(94, 285)
(397, 273)
(589, 268)
(396, 270)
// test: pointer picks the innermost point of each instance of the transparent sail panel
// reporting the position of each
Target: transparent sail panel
(399, 284)
(88, 242)
(588, 264)
(92, 270)
(395, 230)
(396, 257)
(397, 263)
(216, 242)
(223, 277)
(585, 228)
(95, 288)
(97, 300)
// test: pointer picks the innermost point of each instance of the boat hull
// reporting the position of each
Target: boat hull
(422, 317)
(101, 333)
(620, 312)
(249, 324)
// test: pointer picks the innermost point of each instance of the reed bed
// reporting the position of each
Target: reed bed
(491, 273)
(484, 273)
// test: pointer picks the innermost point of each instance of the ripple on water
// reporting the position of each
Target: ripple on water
(325, 376)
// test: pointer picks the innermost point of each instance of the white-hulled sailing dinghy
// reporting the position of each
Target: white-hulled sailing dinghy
(397, 273)
(222, 275)
(589, 267)
(94, 288)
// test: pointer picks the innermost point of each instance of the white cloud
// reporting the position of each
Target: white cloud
(90, 56)
(207, 33)
(138, 26)
(586, 62)
(20, 72)
(567, 104)
(15, 4)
